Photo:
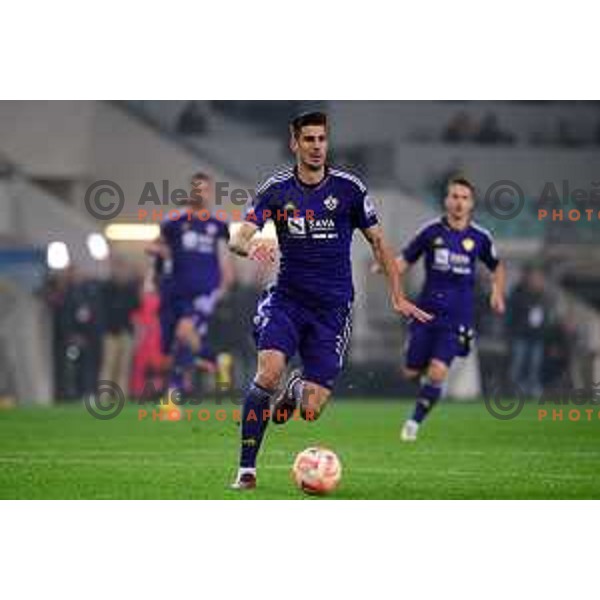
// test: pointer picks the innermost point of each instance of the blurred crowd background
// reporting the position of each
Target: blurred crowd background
(77, 305)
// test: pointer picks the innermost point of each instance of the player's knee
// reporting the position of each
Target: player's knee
(269, 378)
(185, 331)
(437, 372)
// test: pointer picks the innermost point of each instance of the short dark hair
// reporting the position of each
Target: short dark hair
(202, 175)
(305, 119)
(460, 179)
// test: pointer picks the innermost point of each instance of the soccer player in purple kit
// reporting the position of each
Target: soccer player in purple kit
(451, 246)
(315, 208)
(193, 246)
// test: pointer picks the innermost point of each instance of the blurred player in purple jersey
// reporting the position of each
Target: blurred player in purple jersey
(196, 273)
(450, 246)
(316, 208)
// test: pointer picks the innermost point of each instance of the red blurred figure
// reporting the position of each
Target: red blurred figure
(147, 373)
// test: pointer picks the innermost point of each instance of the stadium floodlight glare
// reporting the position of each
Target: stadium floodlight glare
(97, 246)
(57, 256)
(132, 232)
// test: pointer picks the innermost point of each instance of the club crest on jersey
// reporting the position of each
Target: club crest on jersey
(211, 229)
(330, 203)
(468, 244)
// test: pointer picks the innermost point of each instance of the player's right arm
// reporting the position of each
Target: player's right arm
(242, 236)
(158, 251)
(157, 247)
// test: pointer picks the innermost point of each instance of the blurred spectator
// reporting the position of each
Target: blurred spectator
(566, 135)
(580, 353)
(461, 129)
(148, 368)
(76, 303)
(569, 358)
(192, 119)
(490, 131)
(556, 374)
(529, 316)
(55, 291)
(121, 298)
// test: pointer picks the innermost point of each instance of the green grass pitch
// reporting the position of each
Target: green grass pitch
(462, 452)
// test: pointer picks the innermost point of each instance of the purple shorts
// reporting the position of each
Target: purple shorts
(198, 308)
(319, 336)
(439, 341)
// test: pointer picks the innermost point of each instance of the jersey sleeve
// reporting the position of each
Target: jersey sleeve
(415, 248)
(488, 254)
(364, 213)
(167, 231)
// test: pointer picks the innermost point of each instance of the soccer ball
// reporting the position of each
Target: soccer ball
(317, 471)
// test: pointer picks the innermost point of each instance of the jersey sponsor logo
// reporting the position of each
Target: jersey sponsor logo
(445, 260)
(331, 203)
(199, 242)
(297, 226)
(441, 259)
(323, 229)
(468, 244)
(438, 242)
(322, 224)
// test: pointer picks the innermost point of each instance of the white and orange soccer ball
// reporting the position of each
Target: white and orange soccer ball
(317, 471)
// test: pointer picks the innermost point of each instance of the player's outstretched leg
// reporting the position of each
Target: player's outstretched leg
(255, 418)
(429, 394)
(185, 344)
(256, 413)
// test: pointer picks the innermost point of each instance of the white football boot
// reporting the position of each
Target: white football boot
(409, 432)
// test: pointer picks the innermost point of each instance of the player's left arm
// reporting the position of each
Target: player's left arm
(384, 256)
(489, 257)
(498, 295)
(226, 267)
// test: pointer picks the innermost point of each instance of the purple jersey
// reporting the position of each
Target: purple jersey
(314, 227)
(450, 262)
(194, 246)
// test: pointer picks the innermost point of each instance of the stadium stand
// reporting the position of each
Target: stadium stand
(59, 149)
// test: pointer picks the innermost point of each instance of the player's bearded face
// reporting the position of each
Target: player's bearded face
(310, 146)
(459, 201)
(201, 191)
